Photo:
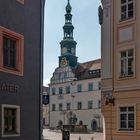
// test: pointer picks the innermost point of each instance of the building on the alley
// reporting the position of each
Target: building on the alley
(45, 100)
(120, 31)
(75, 95)
(21, 43)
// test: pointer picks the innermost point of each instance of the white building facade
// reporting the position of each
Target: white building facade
(81, 96)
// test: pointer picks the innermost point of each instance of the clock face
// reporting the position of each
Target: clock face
(64, 62)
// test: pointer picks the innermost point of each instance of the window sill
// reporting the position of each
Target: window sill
(11, 135)
(128, 20)
(126, 130)
(126, 77)
(11, 71)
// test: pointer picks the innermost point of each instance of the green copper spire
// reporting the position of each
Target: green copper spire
(68, 7)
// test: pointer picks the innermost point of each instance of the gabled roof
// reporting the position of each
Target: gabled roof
(87, 70)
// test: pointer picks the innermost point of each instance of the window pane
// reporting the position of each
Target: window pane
(90, 87)
(123, 124)
(131, 108)
(123, 109)
(123, 117)
(131, 124)
(68, 89)
(9, 120)
(9, 52)
(123, 54)
(123, 1)
(131, 116)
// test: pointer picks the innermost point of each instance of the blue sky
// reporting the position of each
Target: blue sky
(86, 32)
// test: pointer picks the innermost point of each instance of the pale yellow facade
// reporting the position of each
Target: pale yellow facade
(120, 43)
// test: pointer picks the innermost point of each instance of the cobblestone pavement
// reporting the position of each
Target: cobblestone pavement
(56, 135)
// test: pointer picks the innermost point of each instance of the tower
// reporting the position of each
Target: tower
(68, 44)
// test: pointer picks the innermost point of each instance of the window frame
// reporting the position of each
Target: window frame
(125, 60)
(79, 103)
(127, 3)
(60, 90)
(17, 134)
(90, 104)
(60, 107)
(53, 107)
(19, 53)
(90, 86)
(68, 89)
(67, 106)
(53, 91)
(79, 88)
(118, 118)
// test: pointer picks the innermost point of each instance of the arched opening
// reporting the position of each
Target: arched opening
(94, 126)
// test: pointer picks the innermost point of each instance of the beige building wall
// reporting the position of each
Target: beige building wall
(122, 89)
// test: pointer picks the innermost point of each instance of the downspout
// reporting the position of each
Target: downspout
(42, 4)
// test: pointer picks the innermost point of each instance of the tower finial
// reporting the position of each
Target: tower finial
(68, 7)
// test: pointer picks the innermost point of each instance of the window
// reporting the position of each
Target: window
(127, 118)
(60, 107)
(99, 104)
(79, 105)
(90, 104)
(60, 90)
(127, 63)
(90, 87)
(68, 89)
(53, 107)
(99, 85)
(127, 9)
(53, 91)
(11, 120)
(68, 106)
(79, 88)
(11, 52)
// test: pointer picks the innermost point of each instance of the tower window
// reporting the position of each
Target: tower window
(127, 9)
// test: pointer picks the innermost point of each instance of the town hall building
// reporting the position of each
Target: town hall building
(75, 88)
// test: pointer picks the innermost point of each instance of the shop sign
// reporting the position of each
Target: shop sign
(8, 87)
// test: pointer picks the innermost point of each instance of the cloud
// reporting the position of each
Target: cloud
(46, 82)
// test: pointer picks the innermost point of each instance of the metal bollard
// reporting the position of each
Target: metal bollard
(91, 138)
(79, 138)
